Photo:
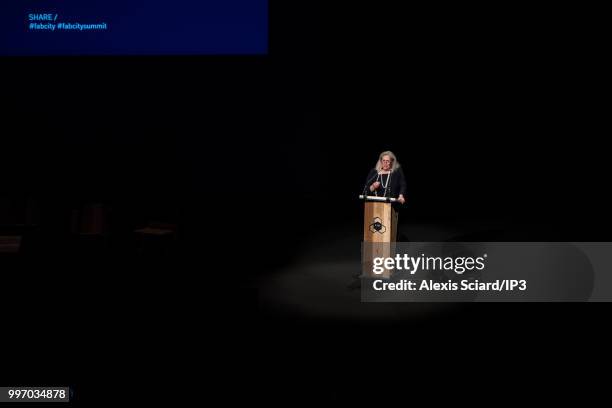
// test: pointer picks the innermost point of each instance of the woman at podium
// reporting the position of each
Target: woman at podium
(387, 179)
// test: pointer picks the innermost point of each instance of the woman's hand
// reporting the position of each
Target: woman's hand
(401, 199)
(375, 186)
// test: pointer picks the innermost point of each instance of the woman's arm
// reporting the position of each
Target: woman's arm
(370, 180)
(402, 186)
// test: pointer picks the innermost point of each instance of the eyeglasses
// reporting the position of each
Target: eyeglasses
(386, 161)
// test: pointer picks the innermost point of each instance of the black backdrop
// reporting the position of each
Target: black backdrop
(495, 113)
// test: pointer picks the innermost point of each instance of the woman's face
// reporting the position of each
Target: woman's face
(386, 163)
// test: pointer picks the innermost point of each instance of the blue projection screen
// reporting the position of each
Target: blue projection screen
(133, 27)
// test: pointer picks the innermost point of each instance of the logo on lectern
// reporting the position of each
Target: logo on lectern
(377, 226)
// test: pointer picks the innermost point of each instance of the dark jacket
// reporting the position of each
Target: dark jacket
(396, 186)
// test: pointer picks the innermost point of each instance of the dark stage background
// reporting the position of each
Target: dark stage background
(494, 112)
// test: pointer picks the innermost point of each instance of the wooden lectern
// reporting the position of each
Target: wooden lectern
(379, 232)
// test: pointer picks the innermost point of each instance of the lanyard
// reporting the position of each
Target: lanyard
(384, 185)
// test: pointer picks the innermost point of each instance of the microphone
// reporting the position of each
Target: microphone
(365, 188)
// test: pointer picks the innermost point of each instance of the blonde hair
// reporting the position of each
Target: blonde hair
(394, 163)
